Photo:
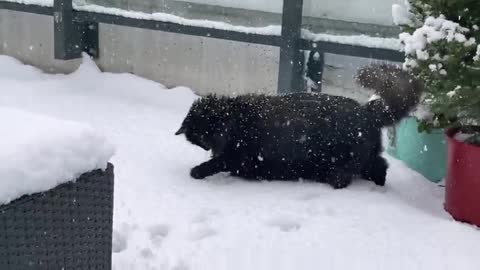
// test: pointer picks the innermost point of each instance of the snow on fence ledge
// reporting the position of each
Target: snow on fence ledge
(271, 30)
(39, 153)
(42, 3)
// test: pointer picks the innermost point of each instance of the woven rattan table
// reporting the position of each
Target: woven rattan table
(68, 227)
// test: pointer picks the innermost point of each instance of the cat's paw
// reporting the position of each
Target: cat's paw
(339, 180)
(199, 172)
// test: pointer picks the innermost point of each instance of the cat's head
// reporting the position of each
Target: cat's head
(206, 123)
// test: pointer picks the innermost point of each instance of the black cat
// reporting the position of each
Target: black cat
(311, 136)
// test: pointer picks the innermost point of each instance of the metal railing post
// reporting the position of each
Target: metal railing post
(66, 43)
(72, 37)
(290, 77)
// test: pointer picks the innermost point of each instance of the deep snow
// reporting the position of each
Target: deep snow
(38, 152)
(166, 220)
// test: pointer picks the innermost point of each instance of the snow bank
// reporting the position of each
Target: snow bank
(40, 152)
(12, 69)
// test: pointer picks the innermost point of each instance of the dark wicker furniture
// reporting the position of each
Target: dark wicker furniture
(68, 227)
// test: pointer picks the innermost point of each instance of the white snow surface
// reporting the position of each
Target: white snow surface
(462, 137)
(163, 219)
(39, 152)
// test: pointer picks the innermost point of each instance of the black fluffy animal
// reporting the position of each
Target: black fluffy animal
(311, 136)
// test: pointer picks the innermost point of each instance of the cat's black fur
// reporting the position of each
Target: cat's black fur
(311, 136)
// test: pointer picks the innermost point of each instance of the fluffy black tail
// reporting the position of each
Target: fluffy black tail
(399, 92)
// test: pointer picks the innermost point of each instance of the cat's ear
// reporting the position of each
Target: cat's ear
(180, 131)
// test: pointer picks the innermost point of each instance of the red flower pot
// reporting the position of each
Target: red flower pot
(462, 190)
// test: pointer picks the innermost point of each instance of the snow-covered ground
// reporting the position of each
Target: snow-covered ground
(166, 220)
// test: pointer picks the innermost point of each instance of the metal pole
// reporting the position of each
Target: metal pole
(290, 70)
(64, 32)
(72, 37)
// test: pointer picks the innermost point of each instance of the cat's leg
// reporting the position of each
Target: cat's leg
(342, 176)
(375, 170)
(375, 167)
(339, 179)
(208, 168)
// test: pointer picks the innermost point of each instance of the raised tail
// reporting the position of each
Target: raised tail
(399, 92)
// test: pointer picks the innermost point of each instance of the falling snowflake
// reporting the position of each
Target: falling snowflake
(451, 93)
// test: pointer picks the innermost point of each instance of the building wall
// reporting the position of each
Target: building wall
(206, 65)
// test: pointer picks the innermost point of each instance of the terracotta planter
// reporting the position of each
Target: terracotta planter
(462, 191)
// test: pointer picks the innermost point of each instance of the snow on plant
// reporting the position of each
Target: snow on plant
(442, 48)
(476, 58)
(434, 30)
